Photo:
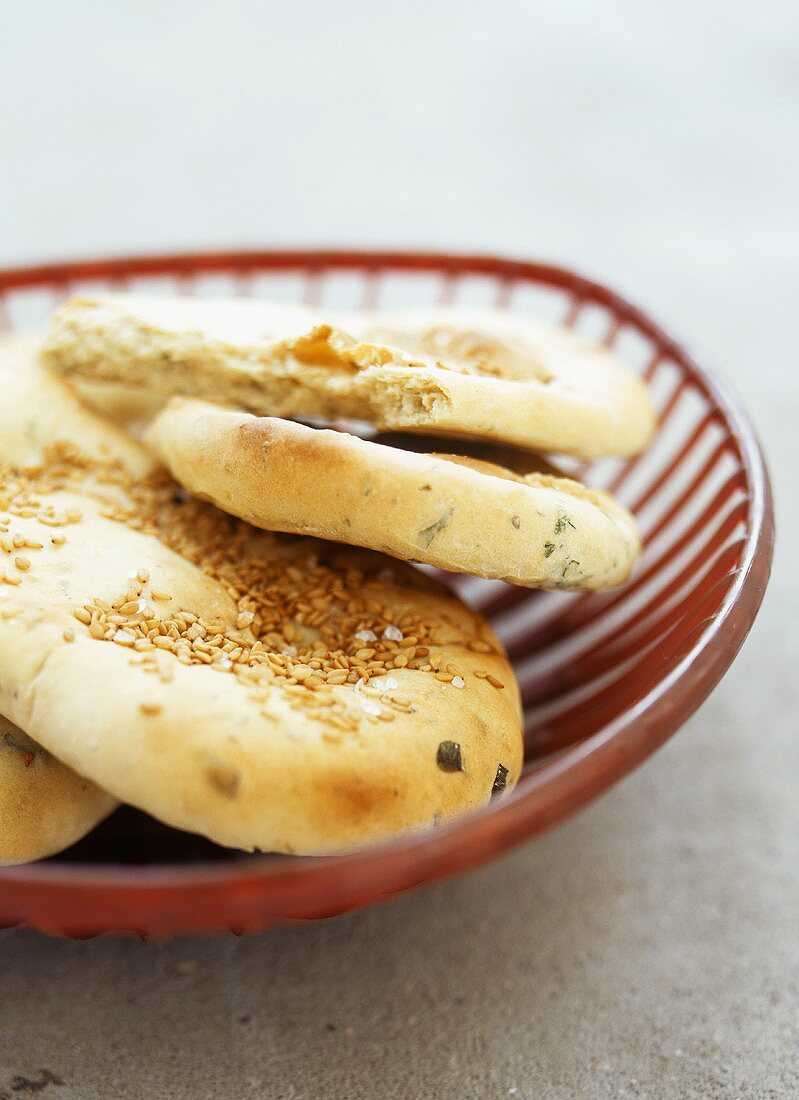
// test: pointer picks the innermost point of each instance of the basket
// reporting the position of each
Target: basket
(606, 678)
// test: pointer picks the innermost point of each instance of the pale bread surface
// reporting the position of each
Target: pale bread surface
(457, 513)
(44, 805)
(130, 407)
(250, 764)
(481, 374)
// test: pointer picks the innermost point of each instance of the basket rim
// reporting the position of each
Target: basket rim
(577, 774)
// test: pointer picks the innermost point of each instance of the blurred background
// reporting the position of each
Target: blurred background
(651, 145)
(650, 946)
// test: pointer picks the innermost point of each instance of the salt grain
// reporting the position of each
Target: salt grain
(384, 683)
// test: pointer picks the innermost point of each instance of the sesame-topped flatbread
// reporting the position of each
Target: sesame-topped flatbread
(44, 806)
(268, 692)
(456, 512)
(481, 374)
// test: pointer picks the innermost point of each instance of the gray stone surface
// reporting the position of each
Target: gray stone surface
(649, 947)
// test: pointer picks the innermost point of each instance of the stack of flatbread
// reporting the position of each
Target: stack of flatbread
(207, 515)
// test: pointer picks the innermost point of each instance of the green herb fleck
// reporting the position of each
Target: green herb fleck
(427, 534)
(549, 549)
(449, 757)
(516, 521)
(563, 523)
(566, 566)
(500, 780)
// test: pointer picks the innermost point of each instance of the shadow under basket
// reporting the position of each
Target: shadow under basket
(606, 678)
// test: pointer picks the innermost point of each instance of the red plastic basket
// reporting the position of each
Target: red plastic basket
(606, 678)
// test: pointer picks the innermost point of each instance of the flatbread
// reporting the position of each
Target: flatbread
(478, 374)
(268, 692)
(458, 513)
(44, 806)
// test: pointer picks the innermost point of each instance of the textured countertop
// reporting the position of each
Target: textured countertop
(650, 946)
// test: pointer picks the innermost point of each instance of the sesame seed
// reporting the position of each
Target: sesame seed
(458, 681)
(150, 708)
(302, 619)
(22, 563)
(69, 635)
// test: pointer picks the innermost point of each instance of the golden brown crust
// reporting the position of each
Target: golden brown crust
(474, 374)
(44, 806)
(238, 679)
(458, 513)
